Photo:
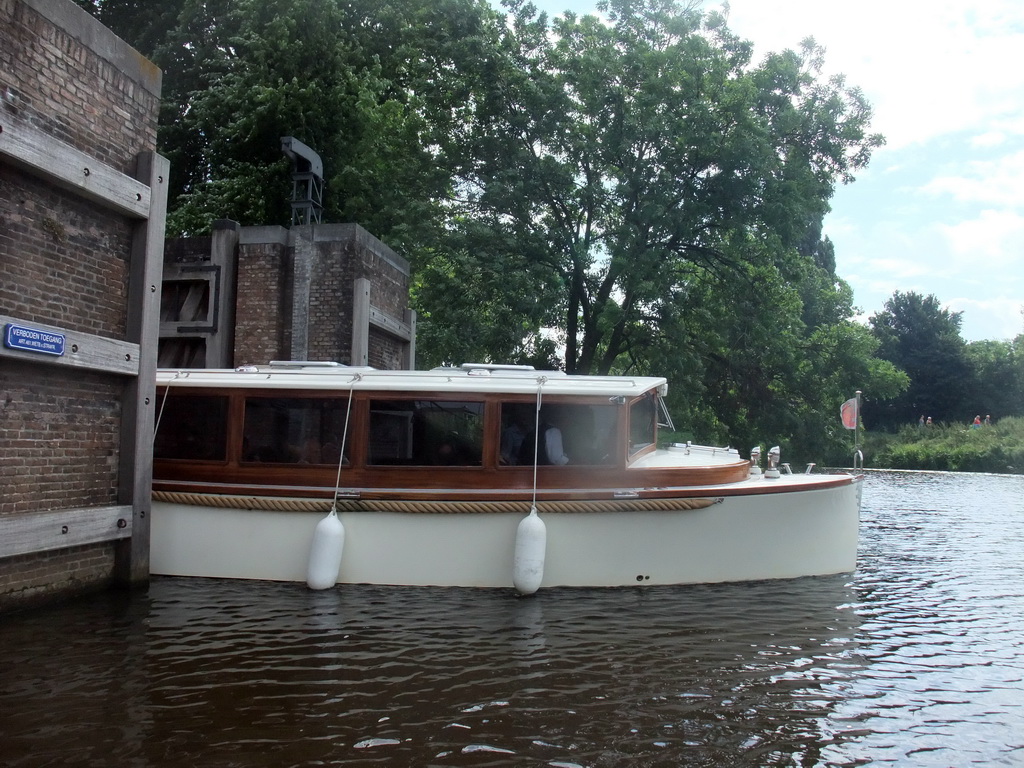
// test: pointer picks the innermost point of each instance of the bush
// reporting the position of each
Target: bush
(953, 447)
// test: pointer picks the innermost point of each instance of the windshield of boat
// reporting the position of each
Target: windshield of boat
(642, 423)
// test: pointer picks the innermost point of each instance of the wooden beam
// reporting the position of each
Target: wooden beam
(409, 356)
(389, 324)
(59, 529)
(61, 164)
(81, 350)
(139, 402)
(360, 354)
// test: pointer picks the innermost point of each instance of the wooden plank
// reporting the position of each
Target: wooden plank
(395, 327)
(60, 163)
(81, 350)
(59, 529)
(409, 356)
(360, 354)
(139, 402)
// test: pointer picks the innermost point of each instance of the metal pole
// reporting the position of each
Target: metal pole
(856, 435)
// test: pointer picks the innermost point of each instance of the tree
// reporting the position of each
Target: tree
(770, 366)
(484, 303)
(620, 157)
(921, 337)
(374, 90)
(998, 377)
(621, 194)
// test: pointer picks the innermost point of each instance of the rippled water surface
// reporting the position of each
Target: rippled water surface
(915, 660)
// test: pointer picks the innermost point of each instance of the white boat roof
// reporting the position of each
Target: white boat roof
(469, 378)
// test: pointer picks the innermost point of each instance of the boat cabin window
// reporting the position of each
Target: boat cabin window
(643, 417)
(574, 433)
(293, 430)
(426, 433)
(192, 427)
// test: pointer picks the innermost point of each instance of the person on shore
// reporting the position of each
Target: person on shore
(928, 421)
(977, 422)
(920, 421)
(988, 420)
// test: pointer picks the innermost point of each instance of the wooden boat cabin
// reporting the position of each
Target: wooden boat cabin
(303, 429)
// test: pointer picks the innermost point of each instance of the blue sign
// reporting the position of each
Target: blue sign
(33, 340)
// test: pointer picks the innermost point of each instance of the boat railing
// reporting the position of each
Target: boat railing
(689, 448)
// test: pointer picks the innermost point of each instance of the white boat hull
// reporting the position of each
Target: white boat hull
(803, 532)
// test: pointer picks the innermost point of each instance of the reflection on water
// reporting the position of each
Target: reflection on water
(914, 660)
(941, 601)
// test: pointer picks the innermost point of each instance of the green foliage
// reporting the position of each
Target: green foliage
(954, 447)
(484, 299)
(372, 89)
(663, 197)
(625, 158)
(762, 368)
(997, 385)
(921, 338)
(625, 194)
(950, 380)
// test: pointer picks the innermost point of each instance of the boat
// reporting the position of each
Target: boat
(473, 476)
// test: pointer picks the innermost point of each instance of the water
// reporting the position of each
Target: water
(915, 660)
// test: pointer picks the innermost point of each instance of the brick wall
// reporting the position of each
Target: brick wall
(389, 292)
(386, 352)
(65, 263)
(338, 255)
(34, 579)
(387, 272)
(345, 253)
(52, 79)
(59, 437)
(187, 250)
(330, 302)
(64, 260)
(262, 307)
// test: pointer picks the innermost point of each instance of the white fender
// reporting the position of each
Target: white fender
(531, 544)
(325, 552)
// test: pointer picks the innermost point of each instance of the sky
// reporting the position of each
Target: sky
(940, 208)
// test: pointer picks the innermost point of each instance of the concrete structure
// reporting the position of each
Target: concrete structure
(82, 207)
(312, 292)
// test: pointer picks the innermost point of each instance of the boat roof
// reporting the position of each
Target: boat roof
(468, 378)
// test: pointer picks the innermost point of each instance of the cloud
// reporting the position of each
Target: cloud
(940, 210)
(928, 68)
(898, 269)
(992, 138)
(998, 182)
(995, 318)
(989, 243)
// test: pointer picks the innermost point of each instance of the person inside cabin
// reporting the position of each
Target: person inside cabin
(581, 440)
(445, 453)
(514, 433)
(331, 453)
(308, 452)
(550, 450)
(448, 450)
